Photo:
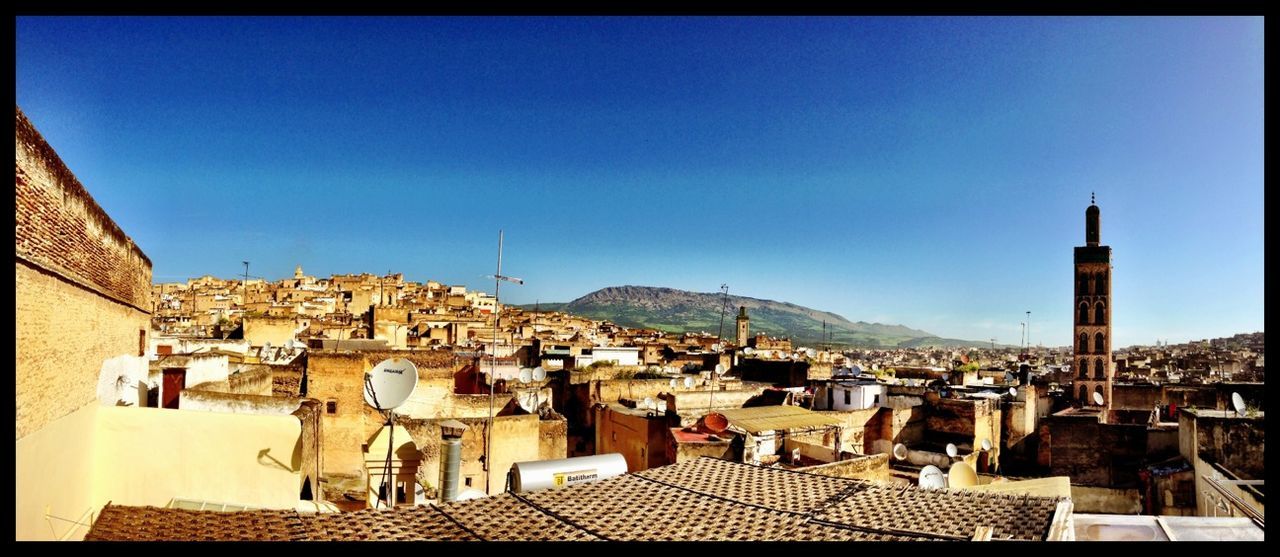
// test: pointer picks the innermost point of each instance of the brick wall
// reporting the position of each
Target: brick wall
(82, 286)
(60, 228)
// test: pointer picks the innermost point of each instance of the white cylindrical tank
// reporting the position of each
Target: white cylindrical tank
(543, 474)
(924, 458)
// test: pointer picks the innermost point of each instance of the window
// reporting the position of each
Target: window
(877, 401)
(1099, 313)
(1084, 313)
(1098, 344)
(1084, 343)
(467, 481)
(142, 342)
(331, 406)
(848, 396)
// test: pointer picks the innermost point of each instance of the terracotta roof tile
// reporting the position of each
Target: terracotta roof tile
(398, 524)
(118, 523)
(505, 517)
(771, 488)
(704, 499)
(633, 508)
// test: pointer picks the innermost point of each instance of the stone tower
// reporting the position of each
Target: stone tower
(1092, 311)
(744, 326)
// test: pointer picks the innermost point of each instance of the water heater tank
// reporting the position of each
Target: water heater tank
(543, 474)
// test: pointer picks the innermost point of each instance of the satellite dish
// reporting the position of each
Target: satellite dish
(539, 374)
(673, 383)
(811, 352)
(855, 371)
(961, 475)
(748, 350)
(931, 478)
(266, 350)
(390, 383)
(900, 451)
(1237, 402)
(986, 444)
(290, 344)
(648, 402)
(946, 376)
(1013, 392)
(1097, 398)
(716, 347)
(720, 369)
(688, 382)
(952, 451)
(526, 375)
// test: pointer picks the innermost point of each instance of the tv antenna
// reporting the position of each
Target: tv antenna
(498, 277)
(386, 387)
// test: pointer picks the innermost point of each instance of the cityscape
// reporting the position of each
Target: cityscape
(203, 352)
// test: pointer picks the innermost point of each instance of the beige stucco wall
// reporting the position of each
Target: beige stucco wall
(276, 330)
(55, 470)
(147, 456)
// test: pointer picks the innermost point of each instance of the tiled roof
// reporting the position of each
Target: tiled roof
(705, 499)
(773, 418)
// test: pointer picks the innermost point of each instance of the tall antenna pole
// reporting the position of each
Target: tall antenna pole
(724, 289)
(493, 368)
(1022, 341)
(1028, 332)
(244, 296)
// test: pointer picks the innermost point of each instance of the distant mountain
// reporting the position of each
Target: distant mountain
(672, 310)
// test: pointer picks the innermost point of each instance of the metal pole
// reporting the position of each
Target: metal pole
(724, 289)
(493, 368)
(244, 296)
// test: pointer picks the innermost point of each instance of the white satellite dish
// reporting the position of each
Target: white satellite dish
(673, 383)
(855, 371)
(961, 475)
(811, 352)
(952, 451)
(266, 350)
(1237, 402)
(900, 451)
(748, 350)
(539, 374)
(716, 347)
(390, 383)
(526, 375)
(648, 402)
(986, 444)
(688, 382)
(290, 344)
(931, 477)
(1097, 398)
(1013, 392)
(720, 369)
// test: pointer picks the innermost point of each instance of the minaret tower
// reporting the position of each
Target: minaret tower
(1092, 312)
(744, 326)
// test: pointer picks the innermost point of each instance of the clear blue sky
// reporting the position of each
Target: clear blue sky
(931, 172)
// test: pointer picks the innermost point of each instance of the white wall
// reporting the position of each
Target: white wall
(623, 356)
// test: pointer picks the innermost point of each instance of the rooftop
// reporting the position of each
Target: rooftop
(703, 499)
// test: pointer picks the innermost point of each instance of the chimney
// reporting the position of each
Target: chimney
(450, 455)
